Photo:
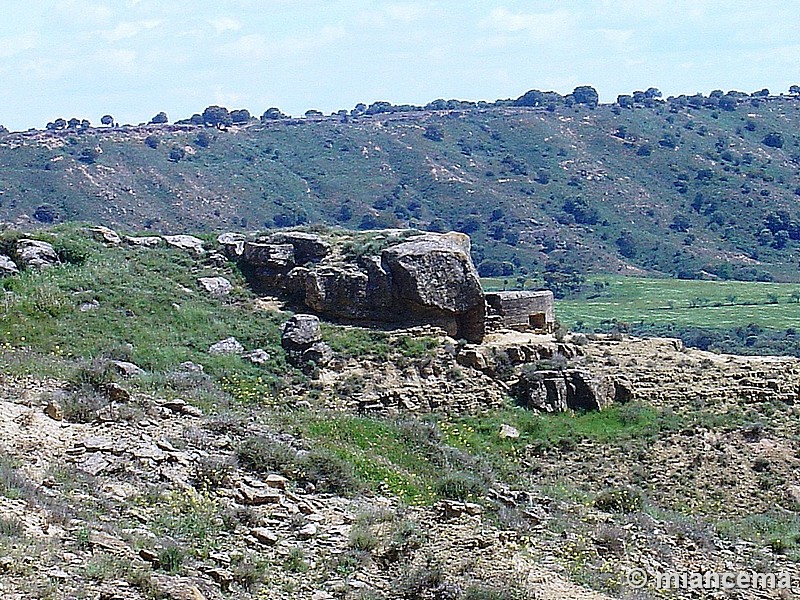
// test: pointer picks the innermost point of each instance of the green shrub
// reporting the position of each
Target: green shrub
(74, 249)
(212, 472)
(295, 561)
(622, 500)
(83, 406)
(406, 536)
(249, 571)
(329, 472)
(420, 581)
(362, 538)
(10, 527)
(458, 485)
(171, 559)
(491, 592)
(267, 455)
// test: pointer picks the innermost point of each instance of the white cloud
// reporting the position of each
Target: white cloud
(16, 44)
(406, 13)
(616, 36)
(125, 60)
(128, 29)
(256, 47)
(538, 26)
(224, 24)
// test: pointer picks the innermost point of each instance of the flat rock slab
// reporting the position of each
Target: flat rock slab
(7, 266)
(105, 235)
(94, 464)
(258, 496)
(186, 242)
(99, 444)
(216, 286)
(149, 241)
(227, 346)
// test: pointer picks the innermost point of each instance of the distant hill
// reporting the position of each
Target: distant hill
(695, 187)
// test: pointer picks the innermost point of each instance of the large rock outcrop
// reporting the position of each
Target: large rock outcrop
(559, 391)
(36, 254)
(409, 279)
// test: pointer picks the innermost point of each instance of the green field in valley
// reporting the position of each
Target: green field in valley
(684, 303)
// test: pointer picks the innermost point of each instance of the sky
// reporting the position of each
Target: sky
(135, 58)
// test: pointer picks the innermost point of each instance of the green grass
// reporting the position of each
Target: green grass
(389, 455)
(421, 461)
(713, 304)
(778, 531)
(479, 435)
(362, 342)
(148, 309)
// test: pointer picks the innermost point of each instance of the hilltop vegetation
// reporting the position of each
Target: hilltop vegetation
(693, 187)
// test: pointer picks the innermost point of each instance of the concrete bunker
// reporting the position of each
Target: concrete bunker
(521, 311)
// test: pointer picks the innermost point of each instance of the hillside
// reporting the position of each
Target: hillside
(688, 187)
(142, 460)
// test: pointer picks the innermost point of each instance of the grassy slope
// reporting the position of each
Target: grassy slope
(504, 175)
(150, 310)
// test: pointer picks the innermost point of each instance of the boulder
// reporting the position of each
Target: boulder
(186, 242)
(149, 241)
(36, 254)
(227, 346)
(264, 536)
(7, 266)
(232, 244)
(318, 354)
(105, 235)
(474, 357)
(339, 292)
(436, 281)
(302, 339)
(126, 369)
(301, 332)
(508, 432)
(559, 391)
(216, 286)
(427, 279)
(259, 356)
(270, 256)
(308, 247)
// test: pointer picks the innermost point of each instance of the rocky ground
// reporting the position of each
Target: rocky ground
(340, 462)
(149, 500)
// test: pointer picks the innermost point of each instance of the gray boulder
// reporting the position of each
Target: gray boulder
(108, 236)
(186, 242)
(7, 266)
(301, 332)
(36, 254)
(227, 346)
(215, 286)
(435, 279)
(428, 279)
(270, 256)
(339, 292)
(259, 356)
(232, 244)
(302, 340)
(148, 241)
(126, 369)
(308, 247)
(559, 391)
